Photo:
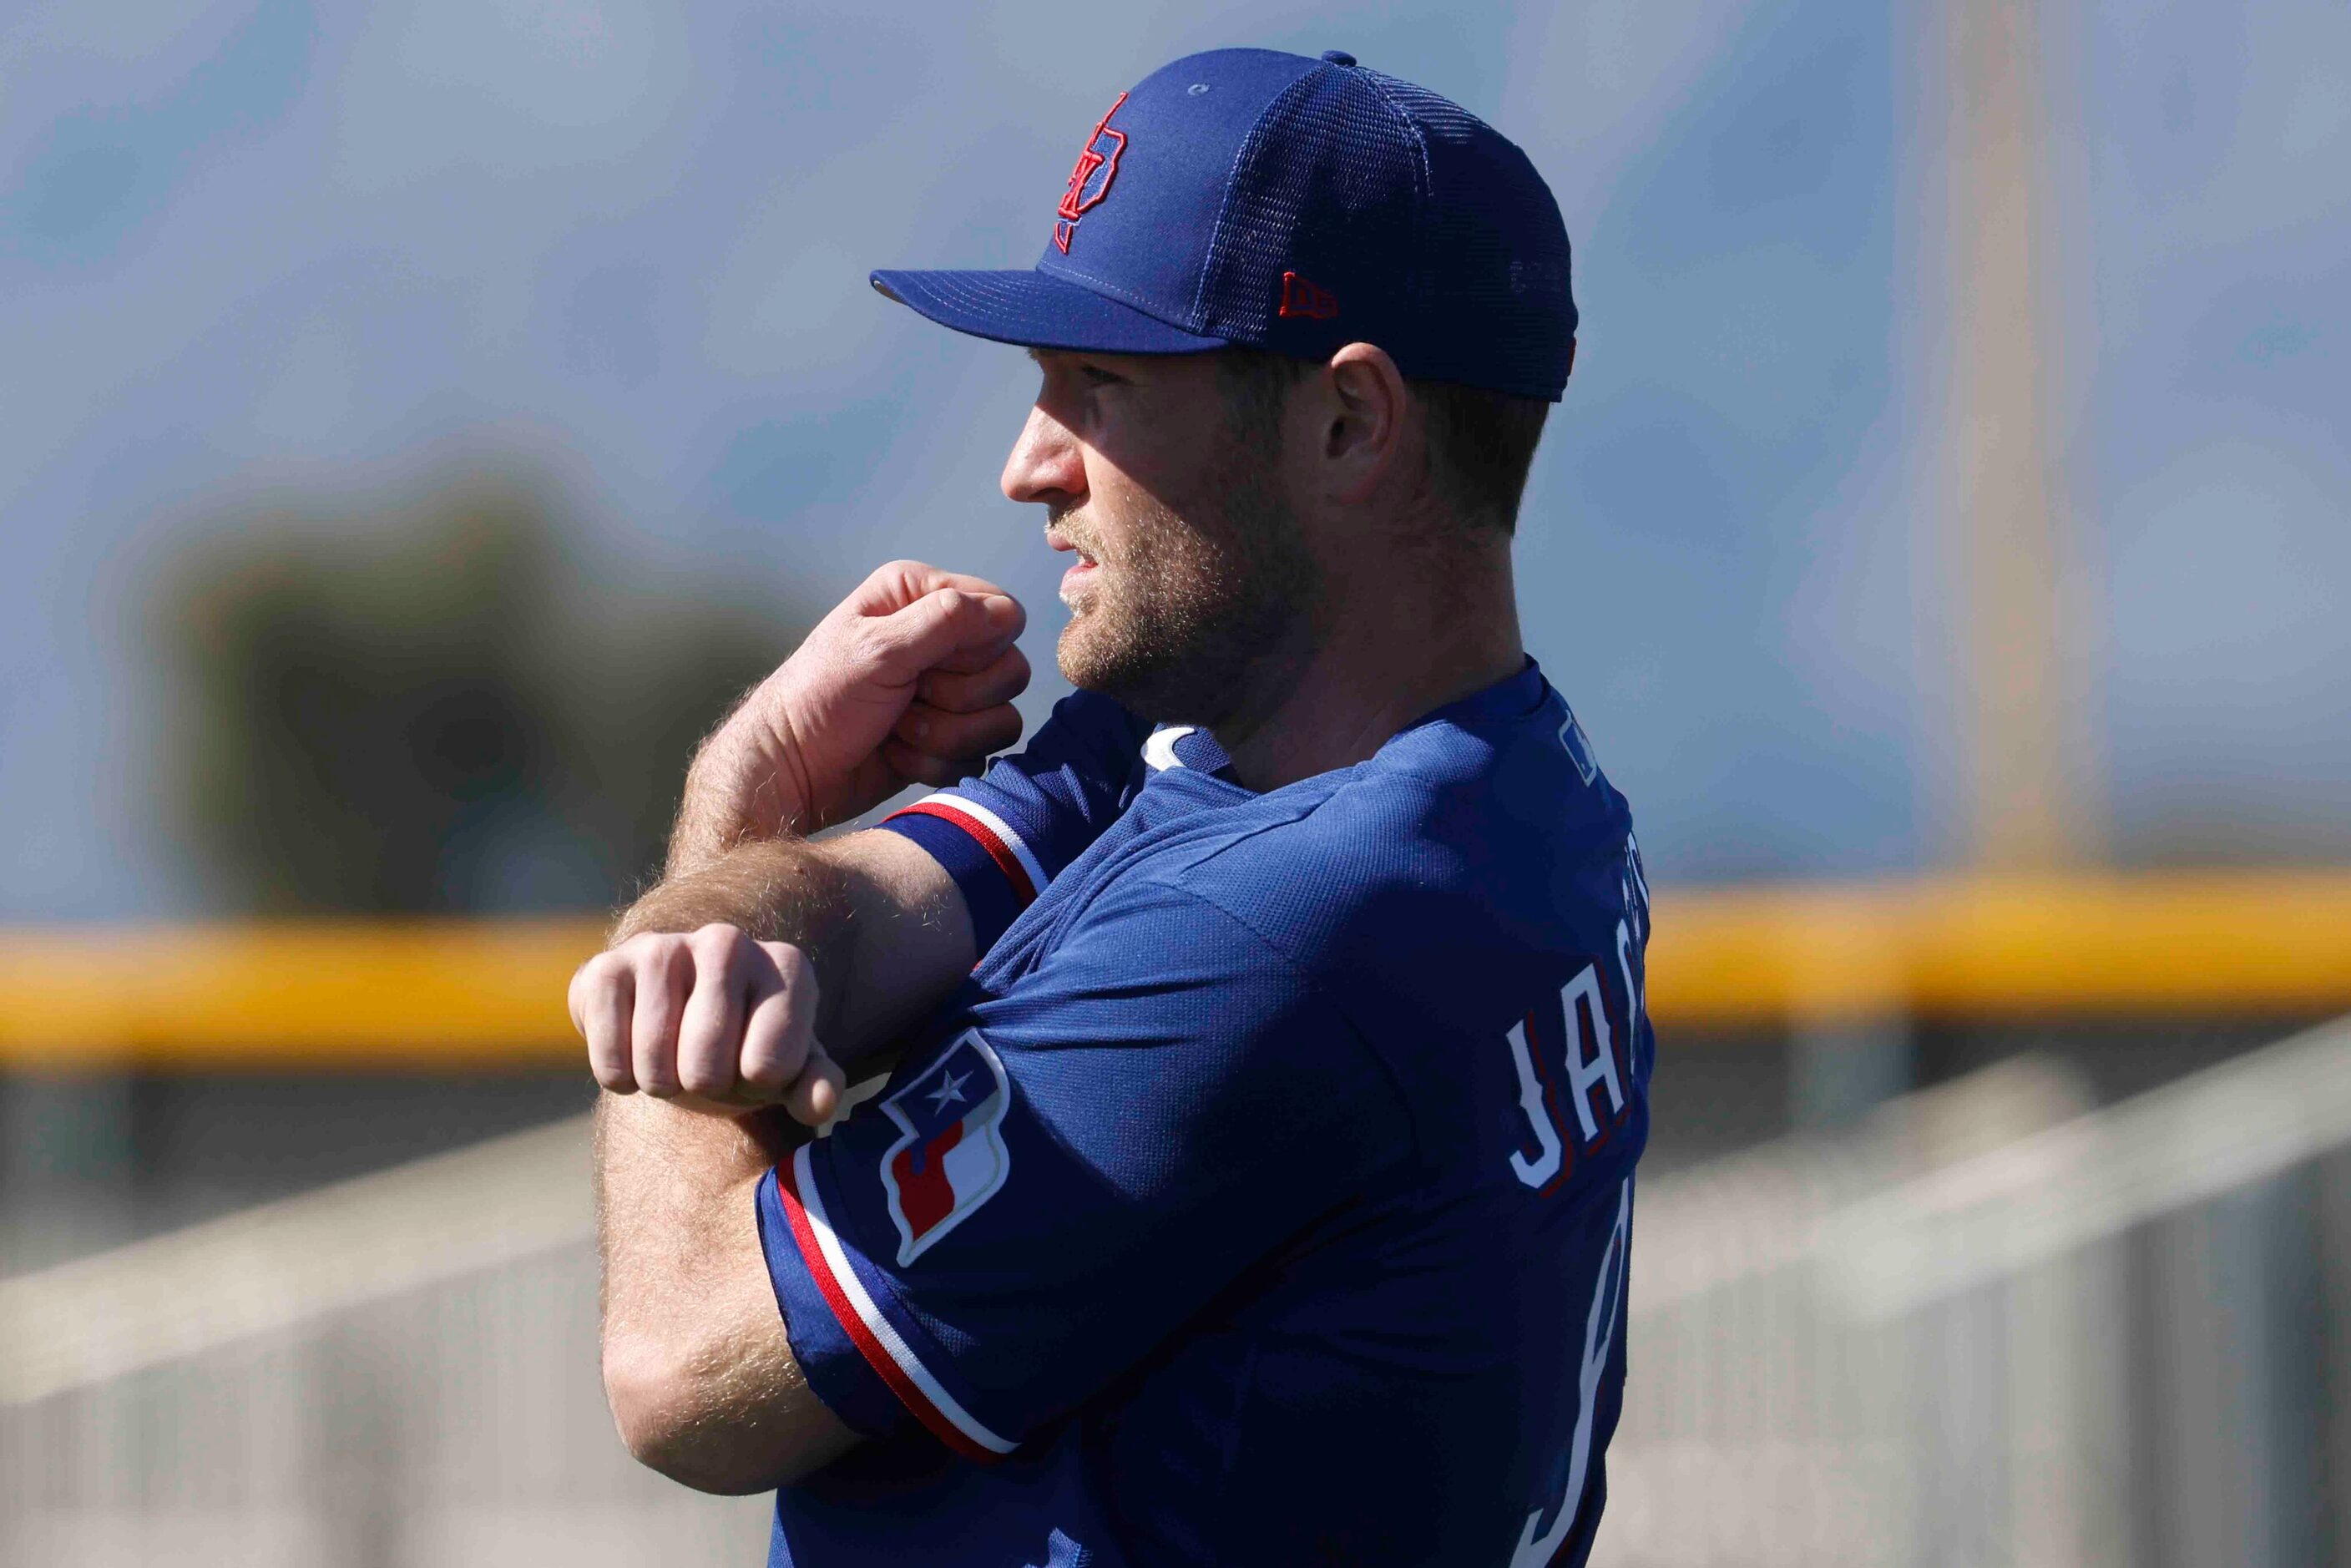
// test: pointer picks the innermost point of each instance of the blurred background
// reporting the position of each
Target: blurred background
(417, 421)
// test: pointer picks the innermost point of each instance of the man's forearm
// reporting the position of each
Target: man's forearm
(836, 948)
(701, 1377)
(738, 793)
(778, 890)
(881, 922)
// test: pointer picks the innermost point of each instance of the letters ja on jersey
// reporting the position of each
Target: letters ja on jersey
(950, 1157)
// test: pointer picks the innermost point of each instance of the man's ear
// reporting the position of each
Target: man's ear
(1367, 421)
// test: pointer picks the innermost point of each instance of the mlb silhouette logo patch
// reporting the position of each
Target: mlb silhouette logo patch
(950, 1157)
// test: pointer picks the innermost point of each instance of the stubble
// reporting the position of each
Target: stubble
(1194, 609)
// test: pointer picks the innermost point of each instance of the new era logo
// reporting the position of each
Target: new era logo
(1301, 298)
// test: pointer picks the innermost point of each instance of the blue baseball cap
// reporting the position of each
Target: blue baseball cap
(1251, 197)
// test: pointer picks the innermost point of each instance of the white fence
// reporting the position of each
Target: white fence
(1993, 1330)
(1987, 1329)
(399, 1370)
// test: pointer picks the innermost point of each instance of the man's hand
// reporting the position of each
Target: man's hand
(909, 680)
(711, 1020)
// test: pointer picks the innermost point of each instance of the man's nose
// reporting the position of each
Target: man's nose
(1045, 464)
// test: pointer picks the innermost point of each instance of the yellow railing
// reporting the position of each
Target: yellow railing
(425, 993)
(476, 993)
(2267, 942)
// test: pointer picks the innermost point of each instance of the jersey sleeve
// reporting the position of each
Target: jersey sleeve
(1003, 835)
(1048, 1191)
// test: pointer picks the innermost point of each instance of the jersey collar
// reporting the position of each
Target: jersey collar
(1188, 749)
(1187, 746)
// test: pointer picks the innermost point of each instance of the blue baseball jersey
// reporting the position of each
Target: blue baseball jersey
(1265, 1196)
(1006, 836)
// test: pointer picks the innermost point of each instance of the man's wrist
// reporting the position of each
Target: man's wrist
(742, 1138)
(768, 1131)
(778, 890)
(733, 796)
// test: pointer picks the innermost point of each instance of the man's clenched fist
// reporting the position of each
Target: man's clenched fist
(711, 1016)
(910, 680)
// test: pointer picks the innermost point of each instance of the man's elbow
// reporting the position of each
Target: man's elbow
(675, 1410)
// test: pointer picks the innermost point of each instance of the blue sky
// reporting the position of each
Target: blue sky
(253, 248)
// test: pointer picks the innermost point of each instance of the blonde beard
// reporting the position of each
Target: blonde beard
(1172, 626)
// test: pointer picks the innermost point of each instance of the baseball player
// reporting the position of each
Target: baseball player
(1254, 1180)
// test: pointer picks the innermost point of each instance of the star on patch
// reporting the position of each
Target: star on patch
(949, 1091)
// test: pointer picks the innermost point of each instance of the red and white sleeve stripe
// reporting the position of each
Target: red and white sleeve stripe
(883, 1347)
(993, 834)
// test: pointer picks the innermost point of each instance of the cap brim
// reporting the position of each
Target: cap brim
(1036, 311)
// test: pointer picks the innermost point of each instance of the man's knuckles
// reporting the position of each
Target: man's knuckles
(793, 969)
(943, 734)
(772, 1062)
(666, 1013)
(707, 1075)
(983, 638)
(900, 582)
(1004, 678)
(955, 627)
(706, 1049)
(592, 984)
(720, 954)
(920, 767)
(781, 1022)
(660, 961)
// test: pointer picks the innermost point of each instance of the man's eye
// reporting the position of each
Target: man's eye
(1095, 376)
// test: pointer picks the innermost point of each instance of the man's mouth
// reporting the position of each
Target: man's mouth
(1079, 579)
(1086, 565)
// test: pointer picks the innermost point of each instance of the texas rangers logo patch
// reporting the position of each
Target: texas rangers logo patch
(950, 1158)
(1097, 166)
